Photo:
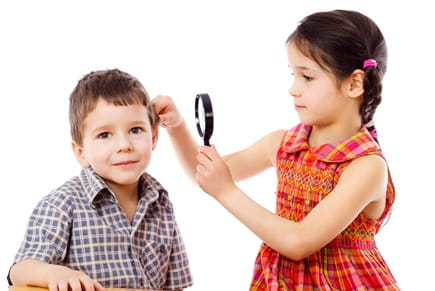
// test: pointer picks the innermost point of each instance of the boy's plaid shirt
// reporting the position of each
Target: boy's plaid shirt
(81, 225)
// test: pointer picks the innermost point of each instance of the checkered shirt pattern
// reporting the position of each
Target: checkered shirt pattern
(80, 225)
(306, 175)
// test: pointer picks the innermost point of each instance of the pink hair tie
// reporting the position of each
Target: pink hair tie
(370, 63)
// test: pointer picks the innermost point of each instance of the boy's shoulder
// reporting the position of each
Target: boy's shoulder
(77, 188)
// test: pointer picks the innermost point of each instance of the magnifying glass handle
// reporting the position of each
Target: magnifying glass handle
(206, 142)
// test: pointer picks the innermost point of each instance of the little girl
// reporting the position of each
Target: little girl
(334, 189)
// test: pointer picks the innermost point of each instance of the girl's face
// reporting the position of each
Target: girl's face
(117, 142)
(318, 100)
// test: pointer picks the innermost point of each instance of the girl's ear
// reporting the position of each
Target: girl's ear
(79, 152)
(355, 86)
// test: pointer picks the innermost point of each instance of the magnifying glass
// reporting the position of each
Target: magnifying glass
(204, 117)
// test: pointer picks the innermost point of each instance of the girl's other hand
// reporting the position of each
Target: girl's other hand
(212, 173)
(168, 112)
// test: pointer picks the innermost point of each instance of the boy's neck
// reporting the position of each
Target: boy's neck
(127, 196)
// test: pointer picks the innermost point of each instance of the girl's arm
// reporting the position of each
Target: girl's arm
(185, 145)
(55, 277)
(363, 183)
(241, 163)
(256, 158)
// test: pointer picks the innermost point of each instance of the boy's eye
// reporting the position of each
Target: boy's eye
(103, 135)
(136, 130)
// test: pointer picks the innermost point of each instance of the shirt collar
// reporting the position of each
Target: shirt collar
(95, 187)
(361, 143)
(92, 183)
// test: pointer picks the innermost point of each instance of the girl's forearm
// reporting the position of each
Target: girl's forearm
(280, 234)
(186, 148)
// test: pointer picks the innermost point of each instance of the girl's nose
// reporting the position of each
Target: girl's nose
(293, 91)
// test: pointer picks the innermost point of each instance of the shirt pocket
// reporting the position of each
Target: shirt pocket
(155, 258)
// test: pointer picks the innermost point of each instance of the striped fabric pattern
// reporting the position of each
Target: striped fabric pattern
(81, 225)
(305, 176)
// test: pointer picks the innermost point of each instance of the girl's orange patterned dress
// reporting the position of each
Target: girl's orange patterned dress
(305, 176)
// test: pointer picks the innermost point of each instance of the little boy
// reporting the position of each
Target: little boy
(113, 225)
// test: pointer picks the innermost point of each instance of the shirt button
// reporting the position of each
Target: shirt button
(307, 202)
(162, 249)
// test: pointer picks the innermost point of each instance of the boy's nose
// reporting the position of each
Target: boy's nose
(124, 145)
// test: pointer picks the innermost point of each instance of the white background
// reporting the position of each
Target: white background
(235, 51)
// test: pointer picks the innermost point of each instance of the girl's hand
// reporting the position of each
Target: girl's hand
(168, 112)
(212, 173)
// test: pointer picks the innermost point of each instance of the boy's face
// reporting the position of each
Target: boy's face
(117, 142)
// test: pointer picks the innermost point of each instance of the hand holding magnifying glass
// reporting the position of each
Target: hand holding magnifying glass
(204, 117)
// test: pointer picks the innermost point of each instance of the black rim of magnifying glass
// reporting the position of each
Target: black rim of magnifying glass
(206, 132)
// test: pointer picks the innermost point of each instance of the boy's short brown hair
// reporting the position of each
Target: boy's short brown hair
(115, 87)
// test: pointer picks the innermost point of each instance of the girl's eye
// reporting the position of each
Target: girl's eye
(308, 78)
(136, 130)
(103, 135)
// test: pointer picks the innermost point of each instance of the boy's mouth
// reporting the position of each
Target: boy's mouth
(124, 163)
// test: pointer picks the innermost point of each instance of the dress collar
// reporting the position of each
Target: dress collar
(361, 143)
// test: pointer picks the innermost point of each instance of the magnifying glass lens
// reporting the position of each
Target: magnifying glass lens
(201, 116)
(204, 117)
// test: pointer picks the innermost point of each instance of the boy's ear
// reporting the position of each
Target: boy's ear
(155, 136)
(355, 86)
(80, 154)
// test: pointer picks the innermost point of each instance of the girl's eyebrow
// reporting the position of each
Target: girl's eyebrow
(304, 68)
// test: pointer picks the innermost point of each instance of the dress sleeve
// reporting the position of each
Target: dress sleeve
(47, 235)
(178, 275)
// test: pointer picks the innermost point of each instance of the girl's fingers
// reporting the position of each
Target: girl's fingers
(160, 104)
(164, 120)
(210, 152)
(203, 159)
(200, 170)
